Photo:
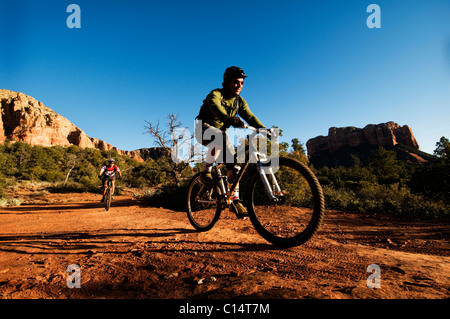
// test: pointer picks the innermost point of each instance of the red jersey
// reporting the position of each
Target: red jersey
(110, 171)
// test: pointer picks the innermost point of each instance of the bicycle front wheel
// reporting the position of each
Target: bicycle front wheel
(108, 198)
(203, 208)
(295, 216)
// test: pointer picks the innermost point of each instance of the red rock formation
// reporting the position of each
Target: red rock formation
(27, 120)
(385, 134)
(343, 145)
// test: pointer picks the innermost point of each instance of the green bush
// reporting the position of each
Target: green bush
(70, 187)
(10, 202)
(392, 199)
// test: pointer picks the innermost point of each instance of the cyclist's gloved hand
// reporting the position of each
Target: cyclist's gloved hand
(235, 121)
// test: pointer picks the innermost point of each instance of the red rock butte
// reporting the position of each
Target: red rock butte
(385, 134)
(25, 119)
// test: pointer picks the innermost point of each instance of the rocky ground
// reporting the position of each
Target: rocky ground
(133, 251)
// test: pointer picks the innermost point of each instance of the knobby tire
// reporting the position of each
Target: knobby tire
(304, 196)
(202, 216)
(108, 198)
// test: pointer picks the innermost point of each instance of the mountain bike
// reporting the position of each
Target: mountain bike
(285, 203)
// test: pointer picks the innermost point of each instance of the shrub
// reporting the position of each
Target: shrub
(70, 187)
(339, 199)
(8, 202)
(392, 199)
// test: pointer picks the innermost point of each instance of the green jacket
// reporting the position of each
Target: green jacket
(219, 105)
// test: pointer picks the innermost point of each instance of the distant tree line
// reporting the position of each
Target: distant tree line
(74, 168)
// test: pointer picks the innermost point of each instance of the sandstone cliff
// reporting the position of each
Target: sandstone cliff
(25, 119)
(336, 148)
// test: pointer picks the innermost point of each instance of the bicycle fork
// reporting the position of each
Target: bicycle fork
(265, 171)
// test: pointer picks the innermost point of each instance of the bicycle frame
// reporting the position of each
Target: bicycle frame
(263, 170)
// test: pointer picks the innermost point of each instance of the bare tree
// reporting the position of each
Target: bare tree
(172, 139)
(72, 160)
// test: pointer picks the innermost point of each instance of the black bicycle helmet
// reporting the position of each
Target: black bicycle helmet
(111, 160)
(233, 72)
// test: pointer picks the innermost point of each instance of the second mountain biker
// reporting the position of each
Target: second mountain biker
(108, 172)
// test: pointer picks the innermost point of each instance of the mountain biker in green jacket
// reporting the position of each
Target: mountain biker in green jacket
(219, 111)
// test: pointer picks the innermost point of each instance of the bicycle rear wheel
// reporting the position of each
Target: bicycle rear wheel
(296, 216)
(203, 208)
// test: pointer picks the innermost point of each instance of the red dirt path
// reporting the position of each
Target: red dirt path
(146, 252)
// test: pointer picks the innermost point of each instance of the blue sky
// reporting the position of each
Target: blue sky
(311, 65)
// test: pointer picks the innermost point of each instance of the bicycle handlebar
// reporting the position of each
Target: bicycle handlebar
(269, 132)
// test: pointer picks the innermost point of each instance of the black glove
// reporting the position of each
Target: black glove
(235, 121)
